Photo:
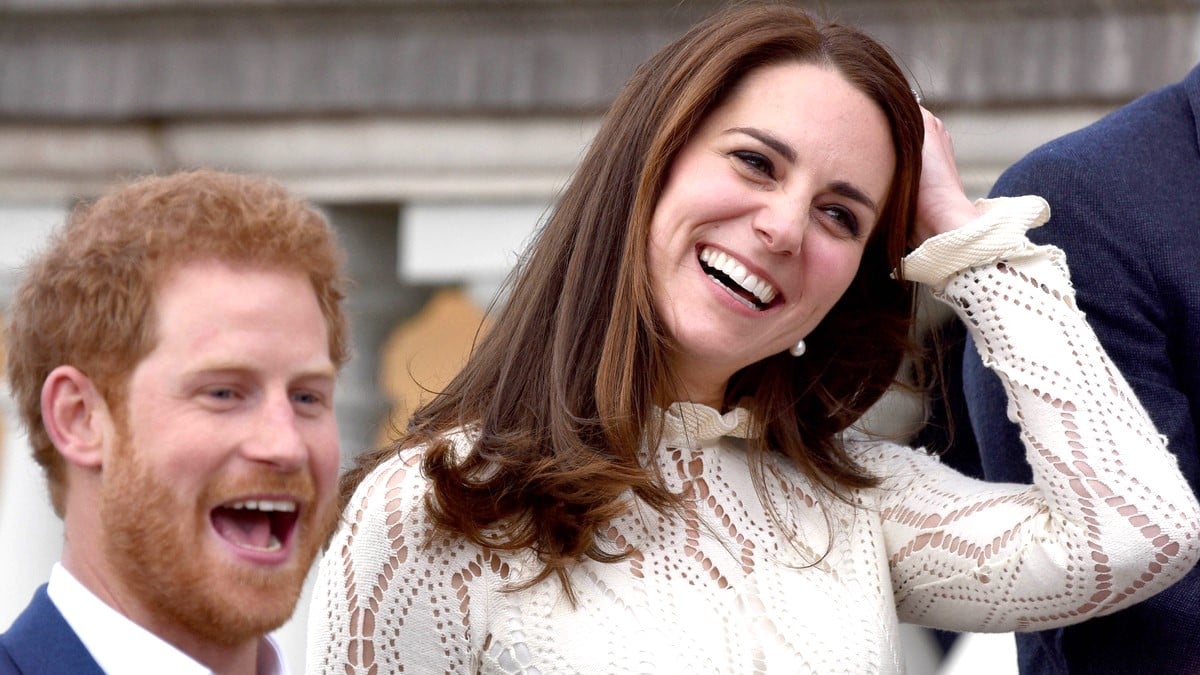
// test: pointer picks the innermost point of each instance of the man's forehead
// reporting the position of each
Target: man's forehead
(218, 309)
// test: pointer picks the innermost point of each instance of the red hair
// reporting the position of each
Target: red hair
(87, 300)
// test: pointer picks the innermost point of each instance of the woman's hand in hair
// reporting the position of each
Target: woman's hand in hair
(942, 203)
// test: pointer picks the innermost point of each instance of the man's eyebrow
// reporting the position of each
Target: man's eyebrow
(789, 153)
(223, 368)
(769, 140)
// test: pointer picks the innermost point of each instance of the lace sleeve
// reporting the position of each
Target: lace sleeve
(389, 596)
(1109, 520)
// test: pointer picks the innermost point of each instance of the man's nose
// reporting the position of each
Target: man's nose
(277, 438)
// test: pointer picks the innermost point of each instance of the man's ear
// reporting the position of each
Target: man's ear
(75, 415)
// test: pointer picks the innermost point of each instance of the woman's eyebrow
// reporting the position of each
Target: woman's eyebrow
(789, 153)
(850, 192)
(769, 140)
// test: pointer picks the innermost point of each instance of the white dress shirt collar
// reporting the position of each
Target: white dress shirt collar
(122, 647)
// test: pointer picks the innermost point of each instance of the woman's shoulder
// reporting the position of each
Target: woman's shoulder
(888, 459)
(391, 561)
(399, 481)
(387, 522)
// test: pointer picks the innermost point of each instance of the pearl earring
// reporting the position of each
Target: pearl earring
(798, 348)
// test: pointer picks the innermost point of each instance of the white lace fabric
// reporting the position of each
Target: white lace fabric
(1108, 521)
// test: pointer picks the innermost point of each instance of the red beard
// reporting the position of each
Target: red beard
(166, 553)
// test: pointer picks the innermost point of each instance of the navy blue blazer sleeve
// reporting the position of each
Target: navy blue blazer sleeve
(1125, 206)
(1116, 287)
(41, 642)
(1124, 197)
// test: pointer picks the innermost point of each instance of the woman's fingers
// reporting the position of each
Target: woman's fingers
(942, 203)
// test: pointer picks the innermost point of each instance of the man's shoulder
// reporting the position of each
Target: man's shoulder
(41, 641)
(1157, 129)
(7, 665)
(33, 622)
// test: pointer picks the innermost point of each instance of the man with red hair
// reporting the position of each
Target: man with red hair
(173, 355)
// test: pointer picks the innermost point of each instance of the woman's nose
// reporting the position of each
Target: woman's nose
(780, 226)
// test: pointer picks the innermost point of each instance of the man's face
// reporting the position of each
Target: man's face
(220, 487)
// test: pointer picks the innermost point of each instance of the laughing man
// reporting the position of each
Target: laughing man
(173, 355)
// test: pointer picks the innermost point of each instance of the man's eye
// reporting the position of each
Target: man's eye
(222, 393)
(307, 398)
(756, 161)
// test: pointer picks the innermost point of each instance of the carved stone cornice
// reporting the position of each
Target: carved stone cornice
(146, 60)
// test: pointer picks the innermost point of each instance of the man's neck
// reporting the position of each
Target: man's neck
(239, 659)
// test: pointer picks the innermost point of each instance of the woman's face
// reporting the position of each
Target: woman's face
(763, 220)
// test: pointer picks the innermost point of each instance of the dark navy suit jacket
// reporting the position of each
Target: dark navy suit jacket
(1124, 196)
(41, 643)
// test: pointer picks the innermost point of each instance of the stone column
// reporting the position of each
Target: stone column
(377, 301)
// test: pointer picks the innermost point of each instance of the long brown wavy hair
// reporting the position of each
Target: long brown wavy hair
(561, 393)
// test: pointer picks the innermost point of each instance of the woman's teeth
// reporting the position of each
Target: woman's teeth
(733, 275)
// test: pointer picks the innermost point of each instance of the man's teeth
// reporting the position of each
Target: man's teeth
(283, 505)
(273, 544)
(738, 273)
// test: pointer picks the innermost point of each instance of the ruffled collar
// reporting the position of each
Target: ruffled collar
(687, 424)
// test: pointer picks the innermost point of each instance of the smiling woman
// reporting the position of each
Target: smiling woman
(634, 473)
(763, 220)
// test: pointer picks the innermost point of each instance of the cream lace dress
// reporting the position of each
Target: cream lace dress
(1109, 521)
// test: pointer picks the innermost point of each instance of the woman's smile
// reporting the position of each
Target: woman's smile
(745, 286)
(763, 219)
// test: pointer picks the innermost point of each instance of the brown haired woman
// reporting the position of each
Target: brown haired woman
(649, 464)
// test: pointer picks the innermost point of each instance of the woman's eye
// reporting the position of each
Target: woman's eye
(756, 162)
(844, 219)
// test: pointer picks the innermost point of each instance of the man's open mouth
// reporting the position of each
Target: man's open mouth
(256, 524)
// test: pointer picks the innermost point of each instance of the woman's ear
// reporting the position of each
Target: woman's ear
(75, 416)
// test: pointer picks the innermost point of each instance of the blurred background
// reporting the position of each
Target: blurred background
(435, 134)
